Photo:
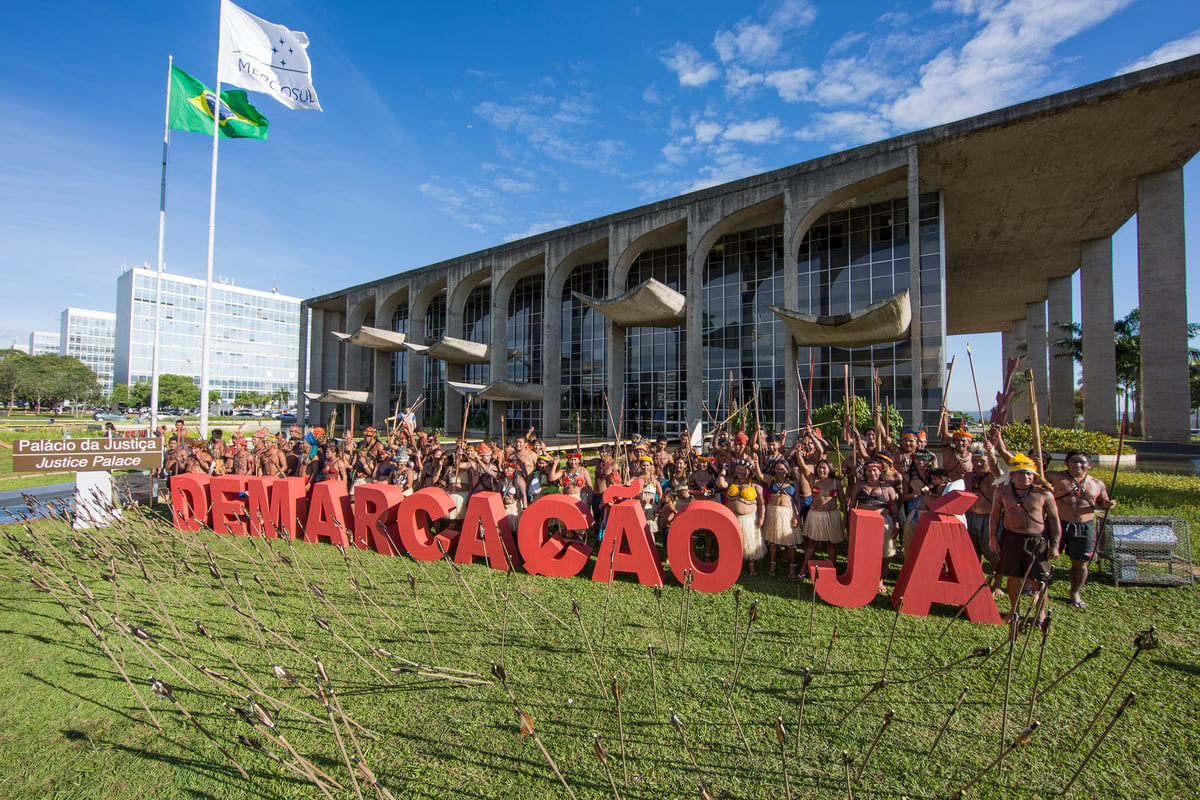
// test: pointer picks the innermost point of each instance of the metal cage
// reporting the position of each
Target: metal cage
(1146, 551)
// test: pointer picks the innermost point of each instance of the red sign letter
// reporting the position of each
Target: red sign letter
(415, 518)
(941, 565)
(228, 504)
(552, 555)
(485, 514)
(330, 514)
(375, 506)
(627, 546)
(189, 501)
(275, 505)
(707, 576)
(860, 584)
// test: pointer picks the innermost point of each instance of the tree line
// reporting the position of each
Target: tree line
(46, 380)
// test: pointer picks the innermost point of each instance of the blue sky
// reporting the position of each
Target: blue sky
(450, 128)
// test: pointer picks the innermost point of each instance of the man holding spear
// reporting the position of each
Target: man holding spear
(1029, 540)
(1078, 495)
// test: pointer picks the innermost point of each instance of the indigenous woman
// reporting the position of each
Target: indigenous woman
(871, 494)
(745, 499)
(513, 492)
(781, 521)
(824, 525)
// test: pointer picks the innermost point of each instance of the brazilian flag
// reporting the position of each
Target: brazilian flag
(192, 109)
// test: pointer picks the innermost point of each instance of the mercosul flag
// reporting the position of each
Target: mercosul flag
(192, 106)
(264, 57)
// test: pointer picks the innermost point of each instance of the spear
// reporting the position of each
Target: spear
(1088, 656)
(726, 690)
(662, 624)
(1045, 626)
(1112, 485)
(1145, 640)
(751, 616)
(587, 641)
(978, 403)
(875, 687)
(949, 374)
(891, 636)
(527, 731)
(653, 677)
(412, 584)
(829, 650)
(781, 737)
(887, 721)
(812, 364)
(804, 682)
(959, 611)
(953, 709)
(1020, 739)
(616, 694)
(678, 723)
(1120, 710)
(602, 756)
(846, 763)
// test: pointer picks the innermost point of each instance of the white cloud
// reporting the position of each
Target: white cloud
(760, 43)
(707, 131)
(1000, 64)
(557, 128)
(758, 131)
(686, 62)
(1180, 48)
(845, 128)
(790, 83)
(651, 95)
(513, 186)
(740, 82)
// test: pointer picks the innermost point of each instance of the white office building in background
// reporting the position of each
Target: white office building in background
(254, 334)
(87, 335)
(43, 343)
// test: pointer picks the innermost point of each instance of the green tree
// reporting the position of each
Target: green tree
(13, 376)
(139, 394)
(1127, 341)
(179, 391)
(214, 397)
(119, 396)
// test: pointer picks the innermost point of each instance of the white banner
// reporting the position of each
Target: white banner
(264, 57)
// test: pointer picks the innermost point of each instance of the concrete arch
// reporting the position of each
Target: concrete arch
(388, 304)
(835, 197)
(420, 304)
(456, 300)
(558, 273)
(670, 234)
(503, 284)
(765, 212)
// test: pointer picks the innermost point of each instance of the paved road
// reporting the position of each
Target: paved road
(13, 501)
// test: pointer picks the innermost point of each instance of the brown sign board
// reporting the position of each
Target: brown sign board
(86, 455)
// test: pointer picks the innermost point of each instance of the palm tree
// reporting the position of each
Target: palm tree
(1127, 339)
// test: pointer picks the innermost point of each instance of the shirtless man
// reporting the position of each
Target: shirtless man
(663, 461)
(956, 447)
(238, 460)
(1029, 540)
(296, 451)
(526, 458)
(745, 499)
(198, 459)
(1077, 496)
(175, 461)
(272, 463)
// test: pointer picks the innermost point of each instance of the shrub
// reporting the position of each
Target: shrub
(1019, 438)
(829, 418)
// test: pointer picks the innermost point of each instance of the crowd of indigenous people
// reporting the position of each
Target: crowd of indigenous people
(790, 493)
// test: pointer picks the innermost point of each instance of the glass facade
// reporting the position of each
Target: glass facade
(434, 383)
(90, 336)
(745, 344)
(477, 327)
(852, 258)
(584, 351)
(655, 358)
(400, 357)
(44, 343)
(253, 334)
(524, 348)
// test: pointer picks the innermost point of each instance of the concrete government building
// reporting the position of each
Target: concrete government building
(864, 259)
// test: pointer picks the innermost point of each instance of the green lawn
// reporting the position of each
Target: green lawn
(71, 727)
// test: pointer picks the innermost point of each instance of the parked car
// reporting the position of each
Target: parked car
(287, 418)
(108, 416)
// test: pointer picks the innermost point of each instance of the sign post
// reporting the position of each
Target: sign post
(92, 460)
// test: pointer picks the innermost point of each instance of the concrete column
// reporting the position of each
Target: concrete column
(316, 362)
(914, 287)
(381, 388)
(1062, 365)
(1018, 408)
(694, 322)
(1035, 348)
(1096, 319)
(1162, 296)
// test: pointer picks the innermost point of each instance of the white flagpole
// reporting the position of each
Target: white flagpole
(162, 228)
(212, 225)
